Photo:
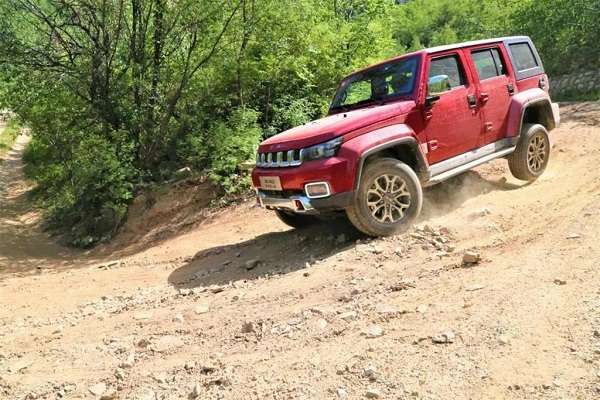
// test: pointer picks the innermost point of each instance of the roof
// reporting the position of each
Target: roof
(474, 43)
(443, 48)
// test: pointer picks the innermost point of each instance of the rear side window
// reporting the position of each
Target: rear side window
(488, 63)
(523, 56)
(450, 66)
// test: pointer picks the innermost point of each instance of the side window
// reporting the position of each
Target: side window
(450, 66)
(488, 63)
(523, 56)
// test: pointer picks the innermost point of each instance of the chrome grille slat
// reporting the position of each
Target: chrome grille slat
(290, 158)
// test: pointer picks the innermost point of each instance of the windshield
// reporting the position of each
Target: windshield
(396, 78)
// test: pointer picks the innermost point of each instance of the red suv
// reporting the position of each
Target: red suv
(410, 122)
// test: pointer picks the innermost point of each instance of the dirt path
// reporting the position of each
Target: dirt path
(327, 313)
(23, 246)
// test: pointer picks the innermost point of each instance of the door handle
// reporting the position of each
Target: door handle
(484, 98)
(428, 115)
(472, 101)
(511, 88)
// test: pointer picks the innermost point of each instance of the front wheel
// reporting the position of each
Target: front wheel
(388, 199)
(530, 158)
(295, 220)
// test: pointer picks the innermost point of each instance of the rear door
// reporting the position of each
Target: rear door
(495, 89)
(453, 123)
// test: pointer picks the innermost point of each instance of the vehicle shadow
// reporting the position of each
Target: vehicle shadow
(267, 254)
(289, 251)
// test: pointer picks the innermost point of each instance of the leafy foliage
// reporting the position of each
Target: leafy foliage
(9, 134)
(121, 93)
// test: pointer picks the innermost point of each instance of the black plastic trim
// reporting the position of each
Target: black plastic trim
(422, 170)
(334, 202)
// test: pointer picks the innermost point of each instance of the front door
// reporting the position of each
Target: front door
(453, 123)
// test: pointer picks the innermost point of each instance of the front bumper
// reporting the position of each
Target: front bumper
(303, 205)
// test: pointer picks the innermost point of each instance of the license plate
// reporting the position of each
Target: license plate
(270, 182)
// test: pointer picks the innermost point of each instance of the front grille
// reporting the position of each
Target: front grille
(290, 158)
(282, 194)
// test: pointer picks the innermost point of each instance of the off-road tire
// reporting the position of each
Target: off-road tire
(295, 220)
(388, 199)
(530, 158)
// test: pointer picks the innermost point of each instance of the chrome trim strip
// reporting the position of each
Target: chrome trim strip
(279, 159)
(314, 184)
(466, 158)
(286, 204)
(464, 168)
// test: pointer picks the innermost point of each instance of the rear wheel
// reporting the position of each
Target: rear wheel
(295, 220)
(530, 158)
(388, 199)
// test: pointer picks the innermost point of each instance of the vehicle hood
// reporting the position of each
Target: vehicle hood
(332, 126)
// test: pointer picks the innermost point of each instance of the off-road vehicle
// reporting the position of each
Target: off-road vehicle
(406, 123)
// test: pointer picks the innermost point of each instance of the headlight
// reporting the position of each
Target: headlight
(323, 150)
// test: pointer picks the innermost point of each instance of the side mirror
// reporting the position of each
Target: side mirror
(435, 86)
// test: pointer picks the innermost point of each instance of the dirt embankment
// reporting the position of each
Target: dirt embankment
(325, 312)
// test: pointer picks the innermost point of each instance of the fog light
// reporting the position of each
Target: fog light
(317, 189)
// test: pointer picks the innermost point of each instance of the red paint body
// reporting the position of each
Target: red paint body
(469, 116)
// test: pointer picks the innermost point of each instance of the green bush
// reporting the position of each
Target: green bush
(88, 192)
(223, 146)
(9, 134)
(289, 113)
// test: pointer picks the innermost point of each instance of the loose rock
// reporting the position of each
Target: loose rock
(388, 311)
(128, 363)
(446, 337)
(560, 281)
(373, 332)
(196, 391)
(237, 296)
(422, 309)
(377, 250)
(98, 389)
(372, 394)
(160, 377)
(369, 371)
(216, 288)
(201, 309)
(120, 374)
(251, 264)
(190, 365)
(348, 315)
(178, 319)
(322, 324)
(140, 315)
(472, 288)
(110, 394)
(471, 257)
(479, 213)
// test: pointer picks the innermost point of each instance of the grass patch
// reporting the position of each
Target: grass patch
(575, 96)
(8, 135)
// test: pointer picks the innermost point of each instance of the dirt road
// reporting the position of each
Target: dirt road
(240, 307)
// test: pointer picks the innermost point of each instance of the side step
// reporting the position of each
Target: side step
(465, 167)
